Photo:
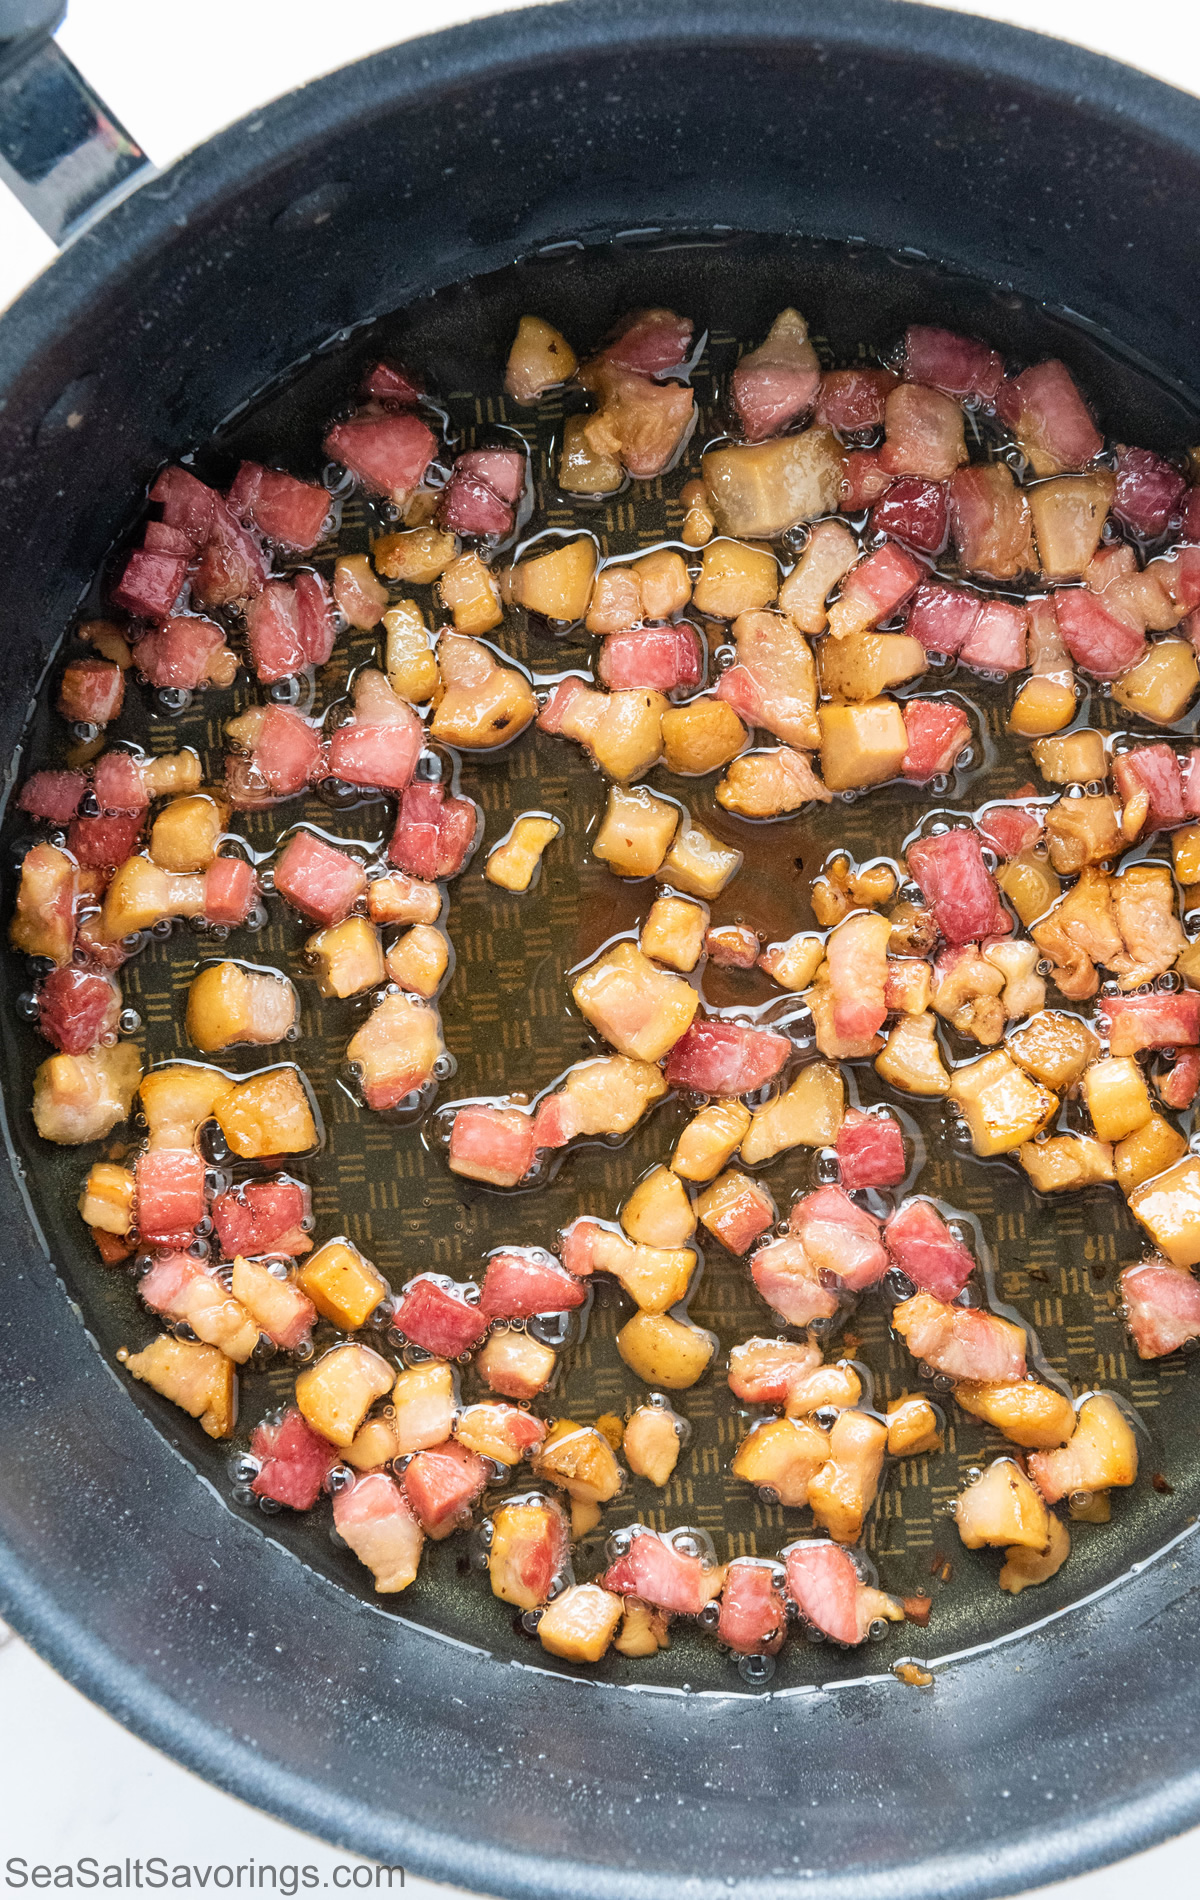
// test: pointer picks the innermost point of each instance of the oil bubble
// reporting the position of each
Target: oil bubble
(756, 1670)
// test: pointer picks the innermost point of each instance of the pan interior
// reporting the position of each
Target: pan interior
(509, 1026)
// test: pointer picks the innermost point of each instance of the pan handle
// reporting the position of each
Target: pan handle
(62, 153)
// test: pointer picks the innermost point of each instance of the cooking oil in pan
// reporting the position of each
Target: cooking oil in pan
(509, 1030)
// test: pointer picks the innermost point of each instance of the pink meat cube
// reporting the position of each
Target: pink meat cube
(117, 783)
(1189, 526)
(958, 886)
(1162, 1305)
(1185, 578)
(958, 365)
(1166, 1019)
(661, 659)
(491, 1144)
(287, 751)
(523, 1281)
(553, 713)
(852, 399)
(864, 480)
(1154, 770)
(179, 653)
(650, 341)
(76, 1007)
(914, 511)
(926, 1252)
(295, 1461)
(1096, 640)
(273, 629)
(742, 1220)
(726, 1058)
(98, 843)
(1009, 829)
(374, 1519)
(839, 1238)
(263, 1217)
(824, 1583)
(924, 434)
(91, 692)
(442, 1484)
(317, 879)
(937, 729)
(996, 641)
(389, 383)
(288, 511)
(231, 569)
(149, 583)
(1148, 493)
(870, 1151)
(942, 617)
(1178, 1084)
(388, 452)
(773, 387)
(380, 753)
(882, 582)
(753, 1619)
(656, 1570)
(52, 796)
(434, 835)
(314, 614)
(483, 491)
(230, 890)
(1046, 409)
(189, 505)
(437, 1317)
(170, 1196)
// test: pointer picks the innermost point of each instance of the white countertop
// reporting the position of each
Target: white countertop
(73, 1783)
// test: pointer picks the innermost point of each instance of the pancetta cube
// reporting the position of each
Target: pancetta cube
(78, 1008)
(288, 511)
(170, 1196)
(524, 1281)
(726, 1058)
(435, 834)
(91, 692)
(388, 451)
(483, 491)
(295, 1461)
(374, 1517)
(380, 746)
(492, 1144)
(958, 886)
(926, 1252)
(937, 729)
(870, 1151)
(435, 1315)
(317, 879)
(753, 1619)
(442, 1484)
(667, 1571)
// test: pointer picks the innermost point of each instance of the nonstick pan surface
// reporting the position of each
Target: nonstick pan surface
(359, 1724)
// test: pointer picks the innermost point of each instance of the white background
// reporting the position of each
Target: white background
(72, 1782)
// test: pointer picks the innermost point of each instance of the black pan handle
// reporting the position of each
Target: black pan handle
(62, 153)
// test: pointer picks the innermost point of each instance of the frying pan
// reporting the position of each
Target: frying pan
(1020, 186)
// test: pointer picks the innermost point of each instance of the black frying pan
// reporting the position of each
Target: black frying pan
(1021, 164)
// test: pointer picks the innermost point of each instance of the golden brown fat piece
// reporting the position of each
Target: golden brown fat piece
(1081, 932)
(1036, 1417)
(763, 488)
